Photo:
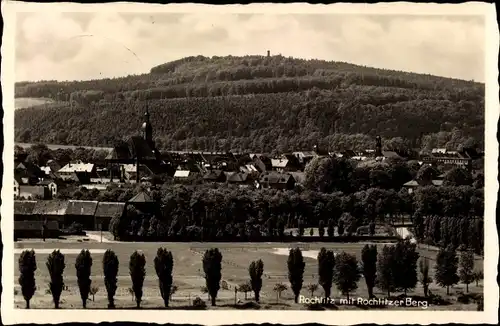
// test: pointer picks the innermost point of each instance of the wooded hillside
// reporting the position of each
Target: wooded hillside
(261, 104)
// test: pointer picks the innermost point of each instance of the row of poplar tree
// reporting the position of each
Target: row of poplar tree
(394, 269)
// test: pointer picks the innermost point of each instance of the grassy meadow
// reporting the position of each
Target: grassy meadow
(188, 275)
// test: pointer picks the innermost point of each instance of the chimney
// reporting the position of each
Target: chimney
(268, 53)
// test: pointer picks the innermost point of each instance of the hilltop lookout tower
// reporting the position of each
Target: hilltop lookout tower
(268, 53)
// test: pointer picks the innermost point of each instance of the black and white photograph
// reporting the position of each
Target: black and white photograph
(249, 162)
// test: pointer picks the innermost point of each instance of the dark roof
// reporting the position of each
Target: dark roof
(275, 178)
(141, 148)
(46, 182)
(105, 209)
(141, 197)
(30, 169)
(300, 177)
(412, 183)
(213, 175)
(50, 207)
(81, 207)
(24, 207)
(390, 154)
(119, 153)
(237, 177)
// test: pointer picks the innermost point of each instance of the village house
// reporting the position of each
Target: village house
(240, 178)
(261, 162)
(286, 163)
(105, 212)
(78, 172)
(51, 210)
(410, 186)
(81, 212)
(276, 180)
(305, 157)
(50, 169)
(442, 156)
(23, 210)
(250, 169)
(214, 176)
(299, 177)
(129, 173)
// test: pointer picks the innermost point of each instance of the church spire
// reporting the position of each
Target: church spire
(147, 129)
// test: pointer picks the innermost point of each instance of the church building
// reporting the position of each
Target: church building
(139, 151)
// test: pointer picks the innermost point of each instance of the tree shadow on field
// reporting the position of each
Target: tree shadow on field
(273, 306)
(156, 308)
(244, 306)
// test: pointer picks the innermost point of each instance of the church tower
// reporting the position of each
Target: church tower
(147, 129)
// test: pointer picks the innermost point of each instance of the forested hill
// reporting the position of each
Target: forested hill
(258, 103)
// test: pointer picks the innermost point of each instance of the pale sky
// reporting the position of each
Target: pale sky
(78, 46)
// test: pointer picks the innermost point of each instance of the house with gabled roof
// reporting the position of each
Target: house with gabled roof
(414, 184)
(81, 212)
(23, 210)
(78, 171)
(276, 180)
(51, 210)
(214, 176)
(262, 162)
(305, 156)
(239, 178)
(105, 212)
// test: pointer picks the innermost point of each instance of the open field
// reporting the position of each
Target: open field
(27, 102)
(188, 273)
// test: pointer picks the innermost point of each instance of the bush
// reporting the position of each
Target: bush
(437, 300)
(27, 268)
(83, 267)
(55, 265)
(110, 267)
(199, 303)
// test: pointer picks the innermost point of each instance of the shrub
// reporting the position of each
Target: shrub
(27, 268)
(212, 265)
(83, 267)
(110, 266)
(199, 303)
(137, 274)
(164, 264)
(55, 264)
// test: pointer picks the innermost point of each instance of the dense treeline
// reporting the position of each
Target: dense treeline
(257, 103)
(206, 70)
(40, 155)
(206, 213)
(394, 269)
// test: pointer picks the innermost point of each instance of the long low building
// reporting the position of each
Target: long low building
(92, 215)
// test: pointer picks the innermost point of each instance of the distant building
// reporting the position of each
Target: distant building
(261, 162)
(285, 163)
(214, 176)
(276, 180)
(441, 156)
(78, 171)
(105, 212)
(305, 157)
(139, 150)
(81, 212)
(239, 178)
(410, 186)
